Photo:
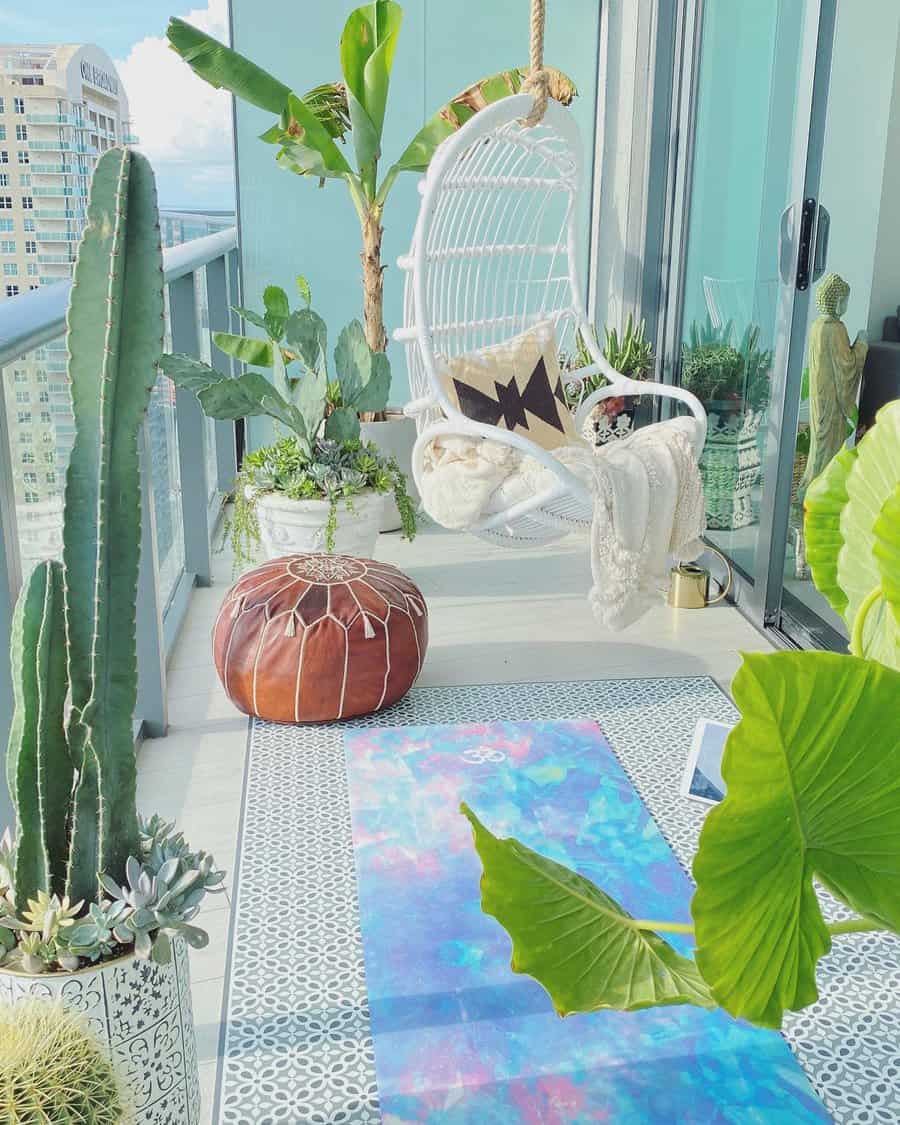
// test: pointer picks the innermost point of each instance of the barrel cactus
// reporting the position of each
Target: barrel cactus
(71, 766)
(51, 1069)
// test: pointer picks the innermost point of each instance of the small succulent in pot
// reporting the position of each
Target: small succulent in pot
(728, 379)
(322, 457)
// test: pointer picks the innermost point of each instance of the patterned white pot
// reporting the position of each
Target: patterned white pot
(141, 1012)
(297, 527)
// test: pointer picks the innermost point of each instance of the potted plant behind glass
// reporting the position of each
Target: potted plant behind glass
(733, 383)
(96, 905)
(321, 487)
(631, 355)
(309, 126)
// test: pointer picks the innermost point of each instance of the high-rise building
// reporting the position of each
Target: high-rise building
(60, 107)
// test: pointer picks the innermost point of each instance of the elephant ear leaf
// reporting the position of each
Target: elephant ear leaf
(575, 940)
(811, 775)
(825, 500)
(368, 43)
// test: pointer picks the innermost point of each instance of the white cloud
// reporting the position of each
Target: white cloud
(184, 125)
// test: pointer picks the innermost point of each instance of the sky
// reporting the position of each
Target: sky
(184, 125)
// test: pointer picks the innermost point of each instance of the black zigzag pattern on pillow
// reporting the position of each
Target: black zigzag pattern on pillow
(539, 398)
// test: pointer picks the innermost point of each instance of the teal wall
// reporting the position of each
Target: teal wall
(288, 225)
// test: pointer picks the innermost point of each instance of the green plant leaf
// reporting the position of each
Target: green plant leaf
(277, 311)
(575, 940)
(226, 399)
(307, 147)
(811, 772)
(825, 500)
(224, 68)
(870, 483)
(308, 398)
(887, 550)
(342, 424)
(876, 631)
(306, 333)
(374, 395)
(250, 316)
(258, 353)
(352, 362)
(304, 289)
(368, 43)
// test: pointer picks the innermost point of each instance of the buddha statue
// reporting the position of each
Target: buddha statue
(835, 369)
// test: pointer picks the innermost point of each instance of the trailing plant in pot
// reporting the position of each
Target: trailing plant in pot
(321, 487)
(85, 882)
(631, 354)
(811, 776)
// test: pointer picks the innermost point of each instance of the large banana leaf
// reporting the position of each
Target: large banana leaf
(368, 43)
(452, 116)
(307, 147)
(226, 69)
(812, 775)
(248, 349)
(574, 939)
(843, 506)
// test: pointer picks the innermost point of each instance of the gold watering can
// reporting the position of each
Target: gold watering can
(689, 585)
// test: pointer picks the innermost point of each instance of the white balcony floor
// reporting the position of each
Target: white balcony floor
(495, 616)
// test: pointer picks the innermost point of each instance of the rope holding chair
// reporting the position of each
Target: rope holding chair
(494, 252)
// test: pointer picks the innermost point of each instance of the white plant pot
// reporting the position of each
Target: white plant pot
(395, 438)
(141, 1013)
(298, 527)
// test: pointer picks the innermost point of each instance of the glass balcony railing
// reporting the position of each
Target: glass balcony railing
(53, 119)
(55, 259)
(56, 169)
(56, 145)
(130, 139)
(44, 213)
(184, 456)
(62, 190)
(57, 236)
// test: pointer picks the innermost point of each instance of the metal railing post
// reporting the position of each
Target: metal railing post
(152, 707)
(191, 436)
(217, 300)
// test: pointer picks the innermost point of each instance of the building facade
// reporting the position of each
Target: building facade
(60, 108)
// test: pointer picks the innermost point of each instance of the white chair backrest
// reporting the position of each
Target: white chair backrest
(495, 246)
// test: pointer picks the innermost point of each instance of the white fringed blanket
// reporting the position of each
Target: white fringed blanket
(648, 504)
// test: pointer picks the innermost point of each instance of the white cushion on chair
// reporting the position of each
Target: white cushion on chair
(515, 386)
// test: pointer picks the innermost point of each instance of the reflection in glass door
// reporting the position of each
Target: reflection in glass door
(753, 102)
(851, 343)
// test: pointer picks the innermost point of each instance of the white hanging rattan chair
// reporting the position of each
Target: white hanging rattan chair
(495, 251)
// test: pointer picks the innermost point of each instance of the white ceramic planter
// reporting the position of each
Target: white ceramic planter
(395, 438)
(297, 527)
(141, 1012)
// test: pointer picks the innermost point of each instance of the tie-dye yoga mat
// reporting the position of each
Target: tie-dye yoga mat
(462, 1040)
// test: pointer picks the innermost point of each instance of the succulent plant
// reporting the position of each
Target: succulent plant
(716, 371)
(52, 1069)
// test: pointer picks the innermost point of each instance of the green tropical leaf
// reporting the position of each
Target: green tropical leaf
(887, 550)
(374, 394)
(352, 362)
(307, 147)
(871, 482)
(876, 631)
(306, 333)
(303, 288)
(342, 424)
(189, 373)
(575, 940)
(258, 353)
(277, 311)
(224, 68)
(308, 399)
(368, 43)
(825, 499)
(250, 316)
(811, 772)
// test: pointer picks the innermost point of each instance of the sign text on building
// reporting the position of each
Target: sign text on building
(99, 78)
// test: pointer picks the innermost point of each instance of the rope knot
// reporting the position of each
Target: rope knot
(537, 83)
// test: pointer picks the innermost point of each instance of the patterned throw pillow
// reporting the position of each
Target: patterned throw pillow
(515, 385)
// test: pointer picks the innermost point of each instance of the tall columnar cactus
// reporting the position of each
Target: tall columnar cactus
(72, 776)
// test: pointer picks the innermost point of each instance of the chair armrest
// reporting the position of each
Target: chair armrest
(625, 386)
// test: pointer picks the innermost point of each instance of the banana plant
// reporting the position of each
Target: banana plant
(311, 402)
(309, 125)
(811, 796)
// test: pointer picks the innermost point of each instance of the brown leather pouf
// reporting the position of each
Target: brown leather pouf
(311, 638)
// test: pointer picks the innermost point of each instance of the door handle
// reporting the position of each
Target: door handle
(820, 254)
(805, 249)
(786, 245)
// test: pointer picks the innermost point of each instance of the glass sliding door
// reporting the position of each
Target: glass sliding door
(849, 346)
(744, 220)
